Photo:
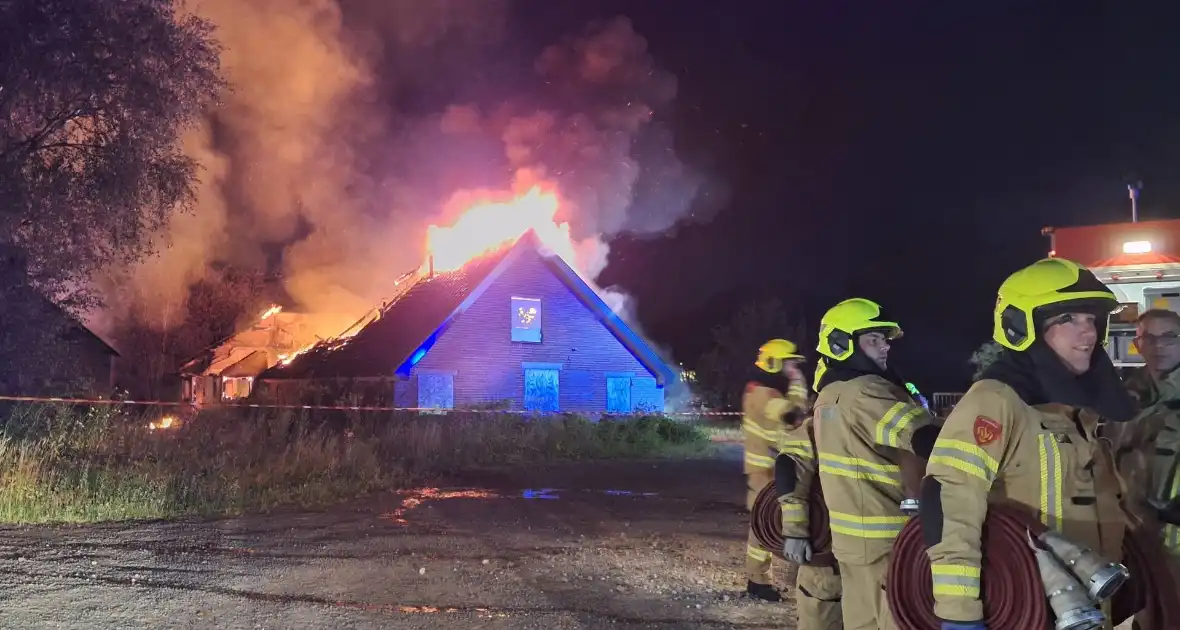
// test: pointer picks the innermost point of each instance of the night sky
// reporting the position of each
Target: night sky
(908, 152)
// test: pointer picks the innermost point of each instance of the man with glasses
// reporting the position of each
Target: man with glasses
(1148, 448)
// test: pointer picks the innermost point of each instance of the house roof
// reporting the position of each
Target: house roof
(74, 326)
(409, 325)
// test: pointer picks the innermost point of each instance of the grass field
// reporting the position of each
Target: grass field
(67, 464)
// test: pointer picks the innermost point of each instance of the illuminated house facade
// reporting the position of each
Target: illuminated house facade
(1139, 261)
(516, 329)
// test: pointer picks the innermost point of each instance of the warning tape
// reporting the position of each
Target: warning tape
(160, 403)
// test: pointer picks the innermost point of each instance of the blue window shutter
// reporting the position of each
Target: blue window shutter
(436, 391)
(541, 391)
(526, 320)
(618, 394)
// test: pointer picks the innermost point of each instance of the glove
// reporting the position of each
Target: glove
(797, 550)
(963, 625)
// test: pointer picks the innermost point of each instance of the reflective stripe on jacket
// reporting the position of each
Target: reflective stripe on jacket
(798, 445)
(763, 409)
(1046, 459)
(860, 427)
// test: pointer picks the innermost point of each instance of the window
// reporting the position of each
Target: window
(541, 389)
(618, 394)
(236, 387)
(526, 320)
(436, 391)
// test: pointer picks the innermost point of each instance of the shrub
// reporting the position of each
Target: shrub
(77, 465)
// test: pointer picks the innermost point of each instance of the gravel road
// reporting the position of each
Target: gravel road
(589, 545)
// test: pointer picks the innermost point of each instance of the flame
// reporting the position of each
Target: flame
(165, 422)
(488, 226)
(274, 308)
(287, 357)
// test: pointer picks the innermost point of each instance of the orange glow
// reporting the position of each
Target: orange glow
(275, 308)
(165, 422)
(287, 358)
(489, 225)
(414, 498)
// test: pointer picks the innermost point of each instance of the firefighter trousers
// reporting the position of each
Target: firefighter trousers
(757, 557)
(863, 602)
(817, 598)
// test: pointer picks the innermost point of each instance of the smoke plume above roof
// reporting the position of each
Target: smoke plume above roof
(339, 144)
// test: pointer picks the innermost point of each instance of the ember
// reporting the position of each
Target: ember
(165, 422)
(287, 358)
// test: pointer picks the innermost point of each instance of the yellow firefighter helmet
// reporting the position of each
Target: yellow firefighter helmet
(843, 321)
(775, 353)
(1045, 288)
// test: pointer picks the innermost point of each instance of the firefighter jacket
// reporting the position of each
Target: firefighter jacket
(797, 444)
(1148, 448)
(861, 426)
(1045, 459)
(763, 411)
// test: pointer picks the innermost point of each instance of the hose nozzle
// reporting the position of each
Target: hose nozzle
(1101, 577)
(1069, 600)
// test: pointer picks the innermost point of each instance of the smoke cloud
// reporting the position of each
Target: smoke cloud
(596, 137)
(316, 169)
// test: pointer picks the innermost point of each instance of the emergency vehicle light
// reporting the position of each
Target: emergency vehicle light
(1136, 247)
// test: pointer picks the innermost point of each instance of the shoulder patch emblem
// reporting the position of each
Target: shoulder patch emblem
(826, 413)
(986, 430)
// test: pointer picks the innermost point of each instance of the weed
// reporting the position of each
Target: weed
(62, 464)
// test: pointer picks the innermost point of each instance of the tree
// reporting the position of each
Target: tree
(95, 95)
(724, 369)
(983, 357)
(216, 307)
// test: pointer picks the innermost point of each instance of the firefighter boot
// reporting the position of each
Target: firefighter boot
(765, 592)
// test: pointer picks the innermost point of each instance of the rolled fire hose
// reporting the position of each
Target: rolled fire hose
(1152, 588)
(1013, 594)
(767, 522)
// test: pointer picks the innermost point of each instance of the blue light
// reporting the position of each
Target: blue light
(543, 493)
(420, 353)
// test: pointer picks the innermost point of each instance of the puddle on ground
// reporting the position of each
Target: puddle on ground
(544, 493)
(629, 493)
(415, 498)
(482, 613)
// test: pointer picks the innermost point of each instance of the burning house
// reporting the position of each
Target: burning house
(226, 371)
(515, 328)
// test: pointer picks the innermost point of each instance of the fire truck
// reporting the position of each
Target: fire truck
(1139, 261)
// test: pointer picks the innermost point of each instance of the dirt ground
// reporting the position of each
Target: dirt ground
(595, 545)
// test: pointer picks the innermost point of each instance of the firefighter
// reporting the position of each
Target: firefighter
(1027, 429)
(867, 430)
(775, 397)
(1148, 448)
(817, 588)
